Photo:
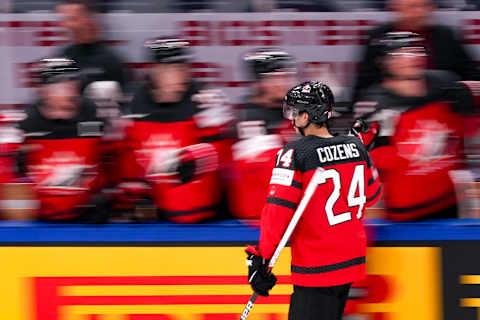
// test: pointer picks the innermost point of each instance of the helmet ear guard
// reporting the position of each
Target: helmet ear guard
(316, 118)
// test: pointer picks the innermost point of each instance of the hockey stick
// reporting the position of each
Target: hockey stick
(288, 232)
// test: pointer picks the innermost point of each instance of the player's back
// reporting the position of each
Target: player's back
(331, 224)
(329, 242)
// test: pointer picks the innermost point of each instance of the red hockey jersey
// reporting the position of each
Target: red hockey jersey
(157, 131)
(329, 242)
(261, 132)
(420, 141)
(63, 159)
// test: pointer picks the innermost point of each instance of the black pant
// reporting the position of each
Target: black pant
(318, 303)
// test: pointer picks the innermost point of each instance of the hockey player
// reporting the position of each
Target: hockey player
(445, 48)
(329, 243)
(415, 131)
(175, 138)
(261, 130)
(62, 147)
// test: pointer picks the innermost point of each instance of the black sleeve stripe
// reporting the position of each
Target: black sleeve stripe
(282, 202)
(330, 267)
(296, 184)
(375, 195)
(371, 181)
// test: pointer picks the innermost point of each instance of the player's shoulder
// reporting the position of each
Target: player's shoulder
(298, 144)
(290, 156)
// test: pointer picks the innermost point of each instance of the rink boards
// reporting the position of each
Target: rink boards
(173, 272)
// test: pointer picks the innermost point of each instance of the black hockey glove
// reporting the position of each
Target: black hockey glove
(358, 127)
(259, 277)
(365, 132)
(192, 161)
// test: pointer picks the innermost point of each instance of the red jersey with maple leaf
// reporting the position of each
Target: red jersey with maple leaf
(420, 142)
(329, 242)
(157, 131)
(63, 159)
(261, 132)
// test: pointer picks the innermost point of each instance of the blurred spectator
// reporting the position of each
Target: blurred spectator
(261, 129)
(62, 147)
(445, 52)
(96, 59)
(413, 130)
(175, 138)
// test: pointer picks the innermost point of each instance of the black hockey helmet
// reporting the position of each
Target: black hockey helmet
(393, 41)
(52, 70)
(169, 50)
(312, 97)
(263, 61)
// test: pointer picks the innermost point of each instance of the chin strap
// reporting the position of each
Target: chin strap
(301, 129)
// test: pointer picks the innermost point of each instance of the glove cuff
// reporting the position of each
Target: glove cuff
(253, 249)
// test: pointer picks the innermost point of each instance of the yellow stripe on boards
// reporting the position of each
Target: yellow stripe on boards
(177, 309)
(470, 279)
(159, 290)
(470, 302)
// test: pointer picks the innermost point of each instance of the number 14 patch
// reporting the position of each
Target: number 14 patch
(285, 158)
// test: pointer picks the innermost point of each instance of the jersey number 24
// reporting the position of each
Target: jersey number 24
(353, 200)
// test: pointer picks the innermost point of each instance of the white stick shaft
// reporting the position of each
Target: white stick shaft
(312, 185)
(296, 216)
